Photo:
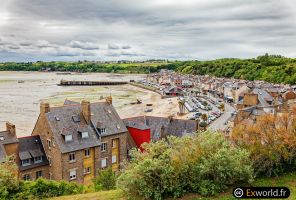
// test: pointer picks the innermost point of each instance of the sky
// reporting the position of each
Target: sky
(105, 30)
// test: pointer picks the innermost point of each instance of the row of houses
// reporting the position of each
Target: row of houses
(74, 141)
(249, 98)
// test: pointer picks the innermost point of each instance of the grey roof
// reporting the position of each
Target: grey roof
(2, 153)
(69, 102)
(30, 147)
(25, 155)
(105, 115)
(66, 126)
(7, 139)
(176, 127)
(263, 96)
(102, 114)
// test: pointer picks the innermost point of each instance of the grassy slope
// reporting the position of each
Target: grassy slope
(288, 180)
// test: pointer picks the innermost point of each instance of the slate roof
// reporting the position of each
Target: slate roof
(176, 127)
(7, 139)
(263, 97)
(66, 126)
(102, 114)
(30, 147)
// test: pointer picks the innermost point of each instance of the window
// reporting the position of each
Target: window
(84, 135)
(104, 163)
(38, 159)
(72, 157)
(26, 177)
(72, 174)
(49, 143)
(87, 170)
(26, 162)
(86, 152)
(68, 138)
(102, 130)
(114, 143)
(49, 160)
(104, 147)
(38, 174)
(76, 118)
(114, 159)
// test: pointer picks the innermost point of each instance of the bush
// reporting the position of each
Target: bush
(205, 163)
(105, 180)
(271, 142)
(43, 188)
(9, 183)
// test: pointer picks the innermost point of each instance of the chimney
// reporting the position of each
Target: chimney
(85, 105)
(10, 128)
(44, 108)
(109, 100)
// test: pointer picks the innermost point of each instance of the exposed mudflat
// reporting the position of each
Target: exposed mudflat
(22, 92)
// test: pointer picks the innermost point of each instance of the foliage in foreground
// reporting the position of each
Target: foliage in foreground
(12, 188)
(105, 180)
(205, 163)
(271, 142)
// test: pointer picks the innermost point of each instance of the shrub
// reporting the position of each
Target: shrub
(43, 188)
(9, 183)
(105, 180)
(205, 163)
(271, 142)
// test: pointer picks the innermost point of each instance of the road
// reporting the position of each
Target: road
(220, 123)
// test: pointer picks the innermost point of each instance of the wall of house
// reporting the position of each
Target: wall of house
(12, 149)
(140, 136)
(122, 149)
(77, 165)
(250, 99)
(53, 153)
(32, 172)
(89, 162)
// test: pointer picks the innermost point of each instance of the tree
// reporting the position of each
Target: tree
(222, 107)
(205, 163)
(9, 183)
(271, 142)
(204, 117)
(105, 180)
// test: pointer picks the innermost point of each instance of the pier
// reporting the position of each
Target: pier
(88, 83)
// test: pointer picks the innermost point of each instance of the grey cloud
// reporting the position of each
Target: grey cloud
(187, 29)
(113, 46)
(83, 45)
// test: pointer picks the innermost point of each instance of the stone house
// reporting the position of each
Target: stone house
(80, 139)
(28, 152)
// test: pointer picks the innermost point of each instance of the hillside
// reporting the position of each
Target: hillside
(288, 180)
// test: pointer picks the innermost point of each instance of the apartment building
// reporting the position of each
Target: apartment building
(80, 139)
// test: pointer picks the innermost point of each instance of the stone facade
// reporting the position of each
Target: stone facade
(33, 172)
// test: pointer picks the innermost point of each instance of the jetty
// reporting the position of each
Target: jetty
(87, 83)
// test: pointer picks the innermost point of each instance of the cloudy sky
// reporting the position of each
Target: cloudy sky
(74, 30)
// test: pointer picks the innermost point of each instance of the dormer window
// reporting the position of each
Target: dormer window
(1, 138)
(84, 135)
(76, 118)
(38, 159)
(26, 162)
(102, 130)
(57, 118)
(68, 138)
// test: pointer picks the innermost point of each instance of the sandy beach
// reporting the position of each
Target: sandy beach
(22, 92)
